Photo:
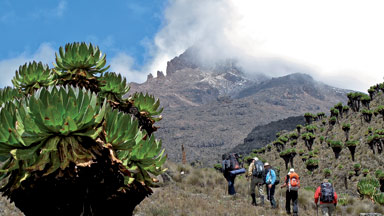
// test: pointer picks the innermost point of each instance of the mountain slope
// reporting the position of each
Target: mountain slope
(263, 134)
(342, 170)
(211, 108)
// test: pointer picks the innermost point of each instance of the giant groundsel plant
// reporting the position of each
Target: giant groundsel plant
(70, 144)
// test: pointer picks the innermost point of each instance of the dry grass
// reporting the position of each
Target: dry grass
(8, 209)
(207, 195)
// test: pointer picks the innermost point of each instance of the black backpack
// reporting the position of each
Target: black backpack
(327, 193)
(259, 169)
(234, 163)
(277, 172)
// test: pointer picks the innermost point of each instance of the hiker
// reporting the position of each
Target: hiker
(270, 180)
(229, 164)
(292, 182)
(328, 198)
(256, 172)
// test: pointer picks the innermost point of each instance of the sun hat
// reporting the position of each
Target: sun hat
(255, 158)
(292, 170)
(266, 164)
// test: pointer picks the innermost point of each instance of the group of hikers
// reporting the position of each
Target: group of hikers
(261, 174)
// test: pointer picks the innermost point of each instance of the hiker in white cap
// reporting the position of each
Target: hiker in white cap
(256, 174)
(270, 181)
(292, 182)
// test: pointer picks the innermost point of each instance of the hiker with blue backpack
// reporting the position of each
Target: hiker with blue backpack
(270, 181)
(292, 182)
(231, 168)
(256, 173)
(328, 198)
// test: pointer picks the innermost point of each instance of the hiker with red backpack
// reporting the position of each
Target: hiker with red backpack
(328, 198)
(257, 173)
(230, 163)
(292, 182)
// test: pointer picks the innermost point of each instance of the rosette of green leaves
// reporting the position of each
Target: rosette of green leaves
(365, 171)
(139, 153)
(308, 136)
(311, 128)
(379, 198)
(48, 130)
(293, 136)
(368, 187)
(80, 58)
(288, 152)
(32, 76)
(378, 173)
(346, 127)
(332, 120)
(312, 162)
(357, 166)
(148, 105)
(327, 172)
(283, 139)
(8, 94)
(113, 86)
(336, 144)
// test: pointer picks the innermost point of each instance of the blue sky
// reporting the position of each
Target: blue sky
(337, 42)
(116, 26)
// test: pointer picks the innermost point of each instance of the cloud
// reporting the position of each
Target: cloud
(60, 9)
(45, 53)
(123, 63)
(339, 43)
(49, 13)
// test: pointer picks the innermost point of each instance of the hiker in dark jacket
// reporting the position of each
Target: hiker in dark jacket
(327, 201)
(227, 175)
(292, 182)
(256, 181)
(270, 182)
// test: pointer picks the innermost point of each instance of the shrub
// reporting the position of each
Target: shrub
(327, 172)
(332, 120)
(378, 172)
(312, 164)
(71, 129)
(368, 187)
(293, 136)
(357, 166)
(301, 152)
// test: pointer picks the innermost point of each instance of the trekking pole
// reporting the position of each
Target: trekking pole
(281, 198)
(317, 210)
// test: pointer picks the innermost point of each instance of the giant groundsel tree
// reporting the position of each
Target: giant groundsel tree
(70, 144)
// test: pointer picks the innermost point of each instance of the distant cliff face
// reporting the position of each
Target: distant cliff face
(210, 108)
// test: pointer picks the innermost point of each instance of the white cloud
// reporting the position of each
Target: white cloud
(60, 9)
(123, 63)
(338, 42)
(8, 67)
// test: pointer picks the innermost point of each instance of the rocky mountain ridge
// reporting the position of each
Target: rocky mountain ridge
(210, 108)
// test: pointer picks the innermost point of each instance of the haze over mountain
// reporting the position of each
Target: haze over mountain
(212, 107)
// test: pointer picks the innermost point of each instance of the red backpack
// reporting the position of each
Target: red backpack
(234, 163)
(294, 182)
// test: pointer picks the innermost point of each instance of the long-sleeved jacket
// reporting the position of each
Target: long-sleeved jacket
(318, 194)
(250, 173)
(271, 177)
(250, 169)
